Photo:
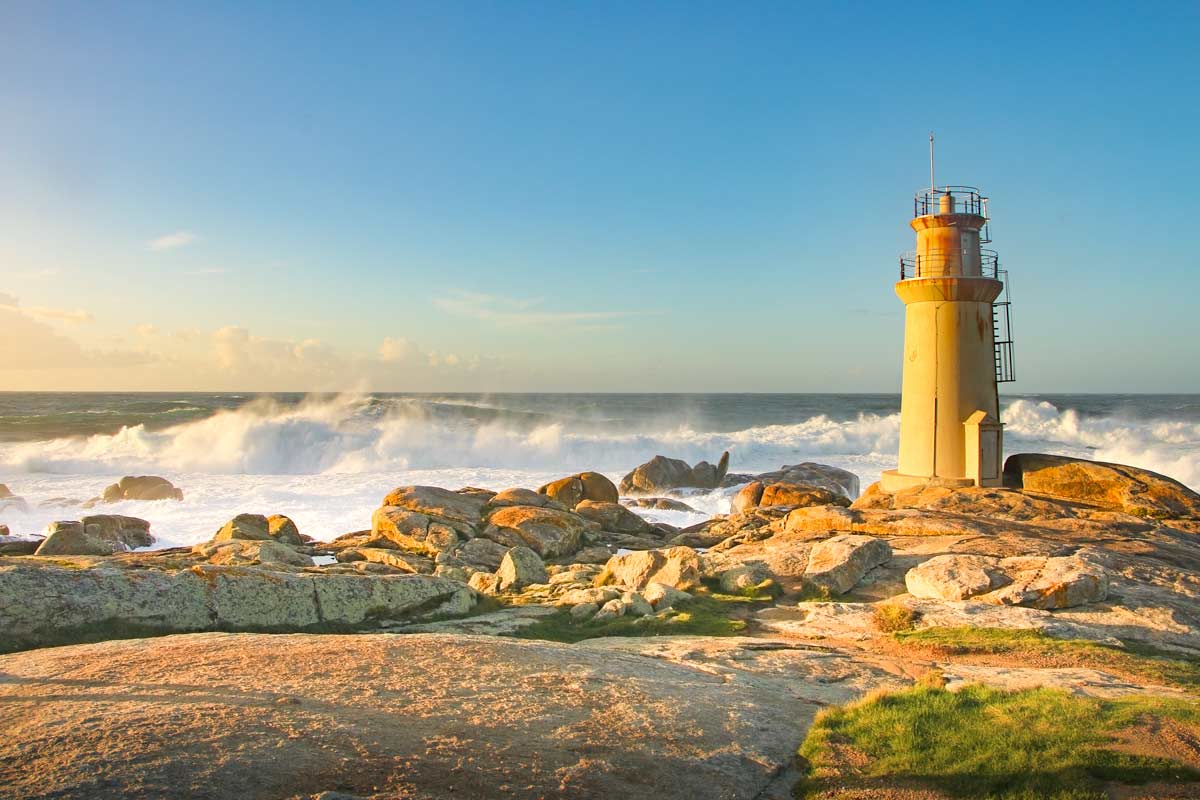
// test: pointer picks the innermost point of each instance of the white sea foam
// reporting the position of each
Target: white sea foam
(328, 461)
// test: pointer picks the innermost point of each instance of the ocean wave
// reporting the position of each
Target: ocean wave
(364, 434)
(1169, 447)
(351, 434)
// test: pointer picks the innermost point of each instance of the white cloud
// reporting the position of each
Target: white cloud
(514, 311)
(66, 315)
(392, 350)
(77, 315)
(173, 240)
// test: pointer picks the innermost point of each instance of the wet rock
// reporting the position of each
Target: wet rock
(17, 545)
(613, 517)
(677, 567)
(661, 474)
(70, 538)
(758, 495)
(519, 568)
(659, 504)
(810, 473)
(141, 487)
(1116, 487)
(574, 489)
(838, 564)
(124, 533)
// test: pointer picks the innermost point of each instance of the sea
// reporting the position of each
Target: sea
(326, 461)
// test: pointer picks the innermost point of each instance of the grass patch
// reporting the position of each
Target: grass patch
(1132, 660)
(985, 743)
(708, 613)
(894, 618)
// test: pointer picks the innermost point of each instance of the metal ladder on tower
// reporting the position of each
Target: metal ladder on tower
(1002, 332)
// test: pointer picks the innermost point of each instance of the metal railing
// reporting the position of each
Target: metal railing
(964, 200)
(934, 264)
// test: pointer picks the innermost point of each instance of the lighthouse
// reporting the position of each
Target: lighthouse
(957, 346)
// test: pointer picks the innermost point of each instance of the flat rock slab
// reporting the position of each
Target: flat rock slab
(217, 715)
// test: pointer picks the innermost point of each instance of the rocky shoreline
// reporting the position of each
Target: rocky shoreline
(810, 576)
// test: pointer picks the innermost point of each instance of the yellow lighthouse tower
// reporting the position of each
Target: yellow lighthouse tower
(957, 346)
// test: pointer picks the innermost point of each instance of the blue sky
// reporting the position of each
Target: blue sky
(582, 196)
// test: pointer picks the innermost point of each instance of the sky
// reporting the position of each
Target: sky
(604, 196)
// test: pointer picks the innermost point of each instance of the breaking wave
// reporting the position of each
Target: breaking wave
(353, 434)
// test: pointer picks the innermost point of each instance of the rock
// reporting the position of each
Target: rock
(282, 529)
(954, 577)
(548, 532)
(520, 497)
(1051, 583)
(482, 554)
(1114, 487)
(242, 551)
(5, 492)
(285, 716)
(636, 605)
(597, 554)
(485, 583)
(70, 538)
(124, 533)
(251, 527)
(661, 596)
(677, 567)
(578, 573)
(744, 576)
(838, 564)
(613, 517)
(141, 487)
(461, 510)
(415, 531)
(583, 611)
(519, 568)
(659, 503)
(405, 562)
(17, 545)
(809, 473)
(661, 473)
(756, 495)
(610, 610)
(42, 604)
(747, 498)
(598, 595)
(573, 489)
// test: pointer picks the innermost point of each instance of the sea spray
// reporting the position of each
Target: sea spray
(328, 460)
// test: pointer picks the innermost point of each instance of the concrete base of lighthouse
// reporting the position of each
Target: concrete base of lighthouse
(893, 481)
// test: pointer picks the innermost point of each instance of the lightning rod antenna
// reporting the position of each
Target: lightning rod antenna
(932, 184)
